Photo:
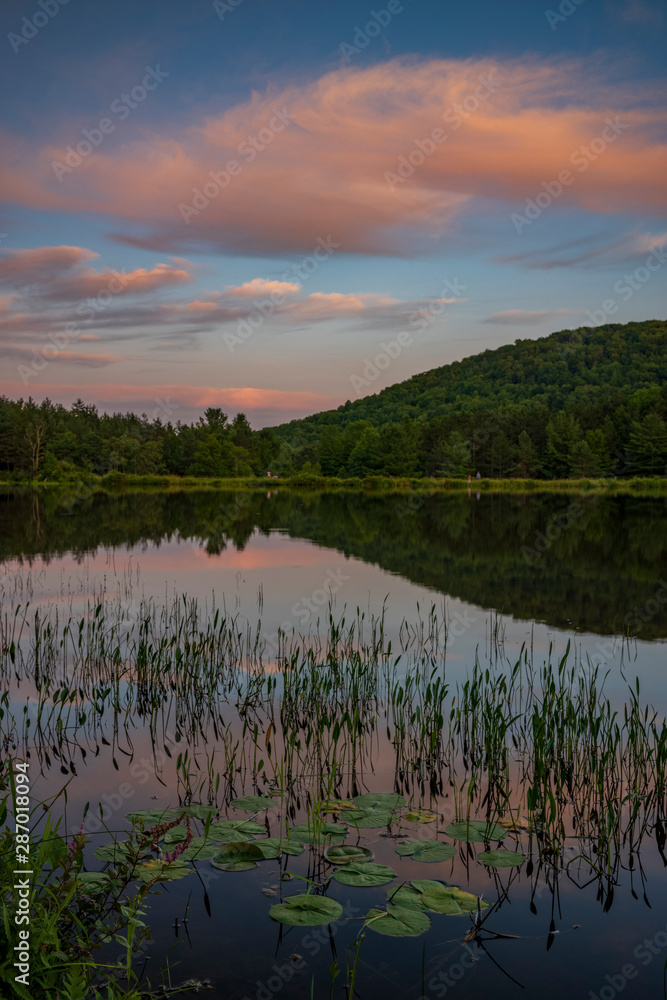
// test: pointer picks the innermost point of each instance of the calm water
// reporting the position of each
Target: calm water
(501, 570)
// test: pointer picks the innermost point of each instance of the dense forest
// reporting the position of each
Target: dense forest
(587, 402)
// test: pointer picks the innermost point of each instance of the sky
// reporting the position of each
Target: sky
(274, 206)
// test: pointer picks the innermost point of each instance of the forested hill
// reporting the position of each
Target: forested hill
(569, 369)
(584, 402)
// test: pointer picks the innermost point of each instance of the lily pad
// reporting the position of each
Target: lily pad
(364, 873)
(326, 831)
(253, 803)
(407, 896)
(199, 811)
(234, 866)
(152, 816)
(426, 850)
(284, 845)
(148, 871)
(199, 850)
(92, 883)
(383, 800)
(247, 851)
(176, 835)
(421, 816)
(398, 921)
(475, 831)
(234, 829)
(501, 859)
(441, 900)
(345, 854)
(336, 805)
(117, 851)
(306, 911)
(369, 819)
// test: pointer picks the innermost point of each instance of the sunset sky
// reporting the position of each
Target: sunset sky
(239, 203)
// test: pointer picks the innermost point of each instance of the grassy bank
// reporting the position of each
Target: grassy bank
(120, 482)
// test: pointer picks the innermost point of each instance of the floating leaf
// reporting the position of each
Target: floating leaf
(406, 895)
(252, 803)
(92, 883)
(307, 835)
(426, 850)
(199, 850)
(475, 831)
(152, 816)
(234, 866)
(344, 854)
(199, 811)
(383, 800)
(441, 900)
(268, 848)
(306, 911)
(501, 859)
(176, 835)
(117, 851)
(421, 816)
(422, 884)
(336, 805)
(246, 851)
(369, 819)
(398, 921)
(364, 873)
(234, 829)
(284, 845)
(149, 871)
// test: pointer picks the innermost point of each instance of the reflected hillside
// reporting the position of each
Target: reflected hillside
(595, 567)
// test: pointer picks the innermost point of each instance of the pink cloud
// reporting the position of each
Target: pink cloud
(325, 172)
(260, 286)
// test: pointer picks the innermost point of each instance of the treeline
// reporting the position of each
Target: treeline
(47, 441)
(589, 402)
(585, 402)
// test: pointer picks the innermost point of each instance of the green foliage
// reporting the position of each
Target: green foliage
(583, 402)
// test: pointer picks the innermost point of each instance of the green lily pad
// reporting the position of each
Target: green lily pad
(364, 873)
(152, 816)
(336, 805)
(398, 921)
(117, 851)
(92, 883)
(345, 854)
(307, 835)
(501, 859)
(253, 803)
(422, 884)
(234, 866)
(306, 911)
(176, 835)
(285, 846)
(383, 800)
(198, 810)
(476, 831)
(369, 819)
(199, 850)
(407, 896)
(426, 850)
(441, 900)
(234, 829)
(149, 871)
(421, 816)
(249, 850)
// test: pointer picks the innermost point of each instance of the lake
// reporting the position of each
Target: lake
(437, 658)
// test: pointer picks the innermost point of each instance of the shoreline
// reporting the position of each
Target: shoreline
(128, 483)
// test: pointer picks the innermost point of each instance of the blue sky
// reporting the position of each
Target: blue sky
(416, 147)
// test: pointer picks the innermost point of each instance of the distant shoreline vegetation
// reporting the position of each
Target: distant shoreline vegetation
(80, 489)
(586, 404)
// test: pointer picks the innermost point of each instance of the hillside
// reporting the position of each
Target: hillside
(578, 402)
